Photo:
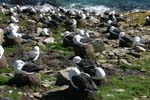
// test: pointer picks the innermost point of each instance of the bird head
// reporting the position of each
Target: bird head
(36, 48)
(109, 22)
(45, 30)
(147, 17)
(76, 59)
(122, 34)
(74, 22)
(137, 39)
(18, 64)
(66, 33)
(112, 28)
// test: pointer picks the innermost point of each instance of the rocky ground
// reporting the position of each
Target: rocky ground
(127, 70)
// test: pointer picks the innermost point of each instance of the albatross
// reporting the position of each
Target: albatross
(89, 67)
(32, 55)
(140, 42)
(125, 40)
(20, 67)
(114, 32)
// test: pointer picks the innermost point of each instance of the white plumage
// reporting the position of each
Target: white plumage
(137, 41)
(1, 51)
(18, 65)
(14, 35)
(77, 40)
(45, 32)
(72, 72)
(34, 54)
(14, 19)
(99, 73)
(76, 59)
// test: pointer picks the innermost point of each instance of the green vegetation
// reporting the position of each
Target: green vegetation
(6, 70)
(4, 18)
(134, 86)
(9, 50)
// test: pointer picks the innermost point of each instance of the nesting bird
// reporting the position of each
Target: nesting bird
(147, 20)
(72, 71)
(89, 67)
(140, 42)
(112, 16)
(71, 24)
(114, 32)
(79, 40)
(68, 39)
(125, 40)
(20, 67)
(32, 55)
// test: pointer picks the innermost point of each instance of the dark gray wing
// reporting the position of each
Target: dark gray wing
(127, 38)
(32, 67)
(84, 82)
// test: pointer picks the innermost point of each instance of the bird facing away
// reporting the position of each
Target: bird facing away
(34, 54)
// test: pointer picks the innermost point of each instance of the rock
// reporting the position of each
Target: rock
(56, 94)
(49, 40)
(39, 30)
(135, 99)
(93, 20)
(37, 95)
(3, 62)
(120, 52)
(3, 98)
(25, 98)
(23, 80)
(144, 97)
(118, 90)
(86, 51)
(140, 49)
(107, 65)
(98, 45)
(124, 61)
(81, 23)
(1, 36)
(62, 77)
